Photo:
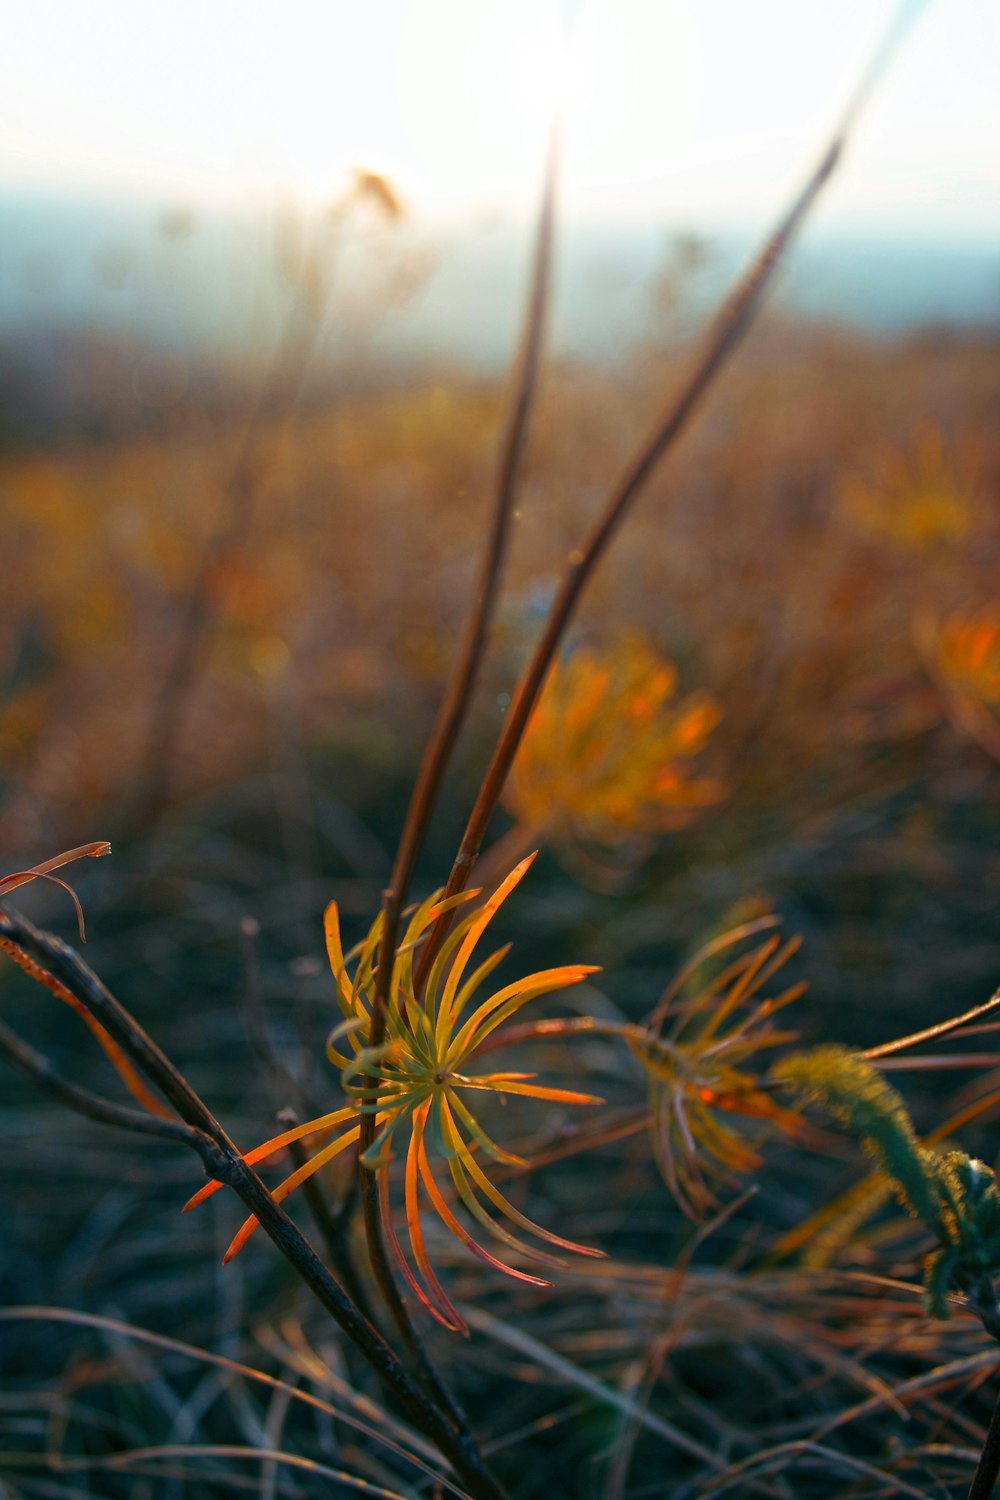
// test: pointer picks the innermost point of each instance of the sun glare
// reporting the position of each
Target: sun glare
(678, 108)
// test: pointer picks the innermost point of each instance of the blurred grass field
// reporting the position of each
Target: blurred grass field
(809, 558)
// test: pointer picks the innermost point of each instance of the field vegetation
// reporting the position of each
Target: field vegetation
(763, 782)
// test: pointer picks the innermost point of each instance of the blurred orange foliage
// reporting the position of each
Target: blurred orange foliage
(968, 653)
(336, 607)
(607, 750)
(965, 659)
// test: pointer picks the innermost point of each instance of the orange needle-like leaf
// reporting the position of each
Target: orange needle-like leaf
(503, 1083)
(446, 1216)
(457, 1326)
(413, 1224)
(298, 1177)
(475, 932)
(275, 1144)
(497, 1198)
(123, 1067)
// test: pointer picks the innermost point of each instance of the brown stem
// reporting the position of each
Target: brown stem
(333, 1225)
(722, 338)
(585, 1138)
(508, 850)
(988, 1468)
(458, 693)
(224, 1163)
(445, 734)
(526, 1031)
(932, 1033)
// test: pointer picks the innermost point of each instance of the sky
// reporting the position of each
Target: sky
(700, 112)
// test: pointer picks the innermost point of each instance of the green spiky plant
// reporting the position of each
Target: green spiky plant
(954, 1195)
(951, 1193)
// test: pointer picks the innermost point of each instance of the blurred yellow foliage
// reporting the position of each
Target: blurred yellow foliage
(920, 496)
(607, 748)
(348, 583)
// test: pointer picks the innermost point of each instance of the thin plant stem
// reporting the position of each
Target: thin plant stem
(333, 1224)
(524, 1031)
(586, 1138)
(721, 340)
(447, 727)
(223, 1162)
(92, 1106)
(988, 1468)
(455, 704)
(930, 1033)
(508, 850)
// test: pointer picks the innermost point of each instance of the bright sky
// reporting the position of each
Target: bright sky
(698, 111)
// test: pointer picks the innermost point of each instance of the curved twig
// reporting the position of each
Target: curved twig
(224, 1163)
